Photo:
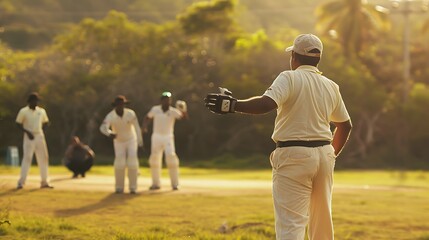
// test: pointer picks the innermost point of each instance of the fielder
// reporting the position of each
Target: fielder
(304, 160)
(32, 120)
(122, 126)
(164, 116)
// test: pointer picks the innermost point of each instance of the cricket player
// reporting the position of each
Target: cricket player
(122, 125)
(78, 157)
(164, 117)
(303, 162)
(32, 120)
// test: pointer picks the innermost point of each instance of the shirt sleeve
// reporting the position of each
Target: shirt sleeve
(177, 114)
(136, 125)
(151, 113)
(340, 113)
(105, 126)
(20, 117)
(45, 118)
(279, 89)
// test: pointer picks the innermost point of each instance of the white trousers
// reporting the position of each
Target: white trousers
(126, 157)
(160, 144)
(302, 192)
(30, 147)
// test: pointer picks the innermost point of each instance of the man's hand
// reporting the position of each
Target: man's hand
(181, 105)
(30, 135)
(341, 135)
(221, 103)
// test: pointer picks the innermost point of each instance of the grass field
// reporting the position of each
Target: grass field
(366, 205)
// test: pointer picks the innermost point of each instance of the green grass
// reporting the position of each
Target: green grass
(380, 205)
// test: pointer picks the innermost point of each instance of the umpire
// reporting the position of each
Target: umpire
(303, 162)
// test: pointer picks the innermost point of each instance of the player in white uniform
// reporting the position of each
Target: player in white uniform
(122, 126)
(32, 120)
(164, 116)
(303, 162)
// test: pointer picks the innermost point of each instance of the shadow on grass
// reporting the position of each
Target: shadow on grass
(109, 201)
(14, 191)
(9, 192)
(62, 179)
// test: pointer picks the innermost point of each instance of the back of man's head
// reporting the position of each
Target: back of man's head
(307, 60)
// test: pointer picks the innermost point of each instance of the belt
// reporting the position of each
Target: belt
(312, 144)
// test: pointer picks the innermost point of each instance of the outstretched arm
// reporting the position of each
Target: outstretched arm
(185, 115)
(223, 103)
(256, 105)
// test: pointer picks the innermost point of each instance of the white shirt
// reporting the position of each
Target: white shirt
(32, 120)
(163, 122)
(126, 127)
(306, 103)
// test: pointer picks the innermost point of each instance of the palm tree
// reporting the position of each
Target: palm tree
(425, 27)
(355, 22)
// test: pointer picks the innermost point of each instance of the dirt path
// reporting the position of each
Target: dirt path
(102, 183)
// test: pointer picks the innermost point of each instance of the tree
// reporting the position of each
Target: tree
(356, 23)
(13, 91)
(417, 114)
(207, 17)
(425, 28)
(97, 60)
(365, 98)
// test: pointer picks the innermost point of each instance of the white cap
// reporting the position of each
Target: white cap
(304, 43)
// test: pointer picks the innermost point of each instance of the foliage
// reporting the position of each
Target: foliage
(355, 22)
(207, 45)
(203, 17)
(425, 26)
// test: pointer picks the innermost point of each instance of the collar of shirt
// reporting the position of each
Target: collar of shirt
(123, 115)
(37, 108)
(168, 110)
(309, 68)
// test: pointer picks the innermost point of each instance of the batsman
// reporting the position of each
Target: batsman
(306, 149)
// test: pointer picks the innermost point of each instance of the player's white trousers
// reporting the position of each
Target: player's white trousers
(160, 144)
(30, 147)
(302, 192)
(126, 157)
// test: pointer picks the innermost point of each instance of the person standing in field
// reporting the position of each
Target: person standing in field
(164, 117)
(303, 162)
(32, 120)
(79, 157)
(122, 125)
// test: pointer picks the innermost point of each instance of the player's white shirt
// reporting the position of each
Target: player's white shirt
(32, 120)
(126, 127)
(163, 122)
(306, 103)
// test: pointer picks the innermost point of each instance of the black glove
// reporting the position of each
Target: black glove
(221, 103)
